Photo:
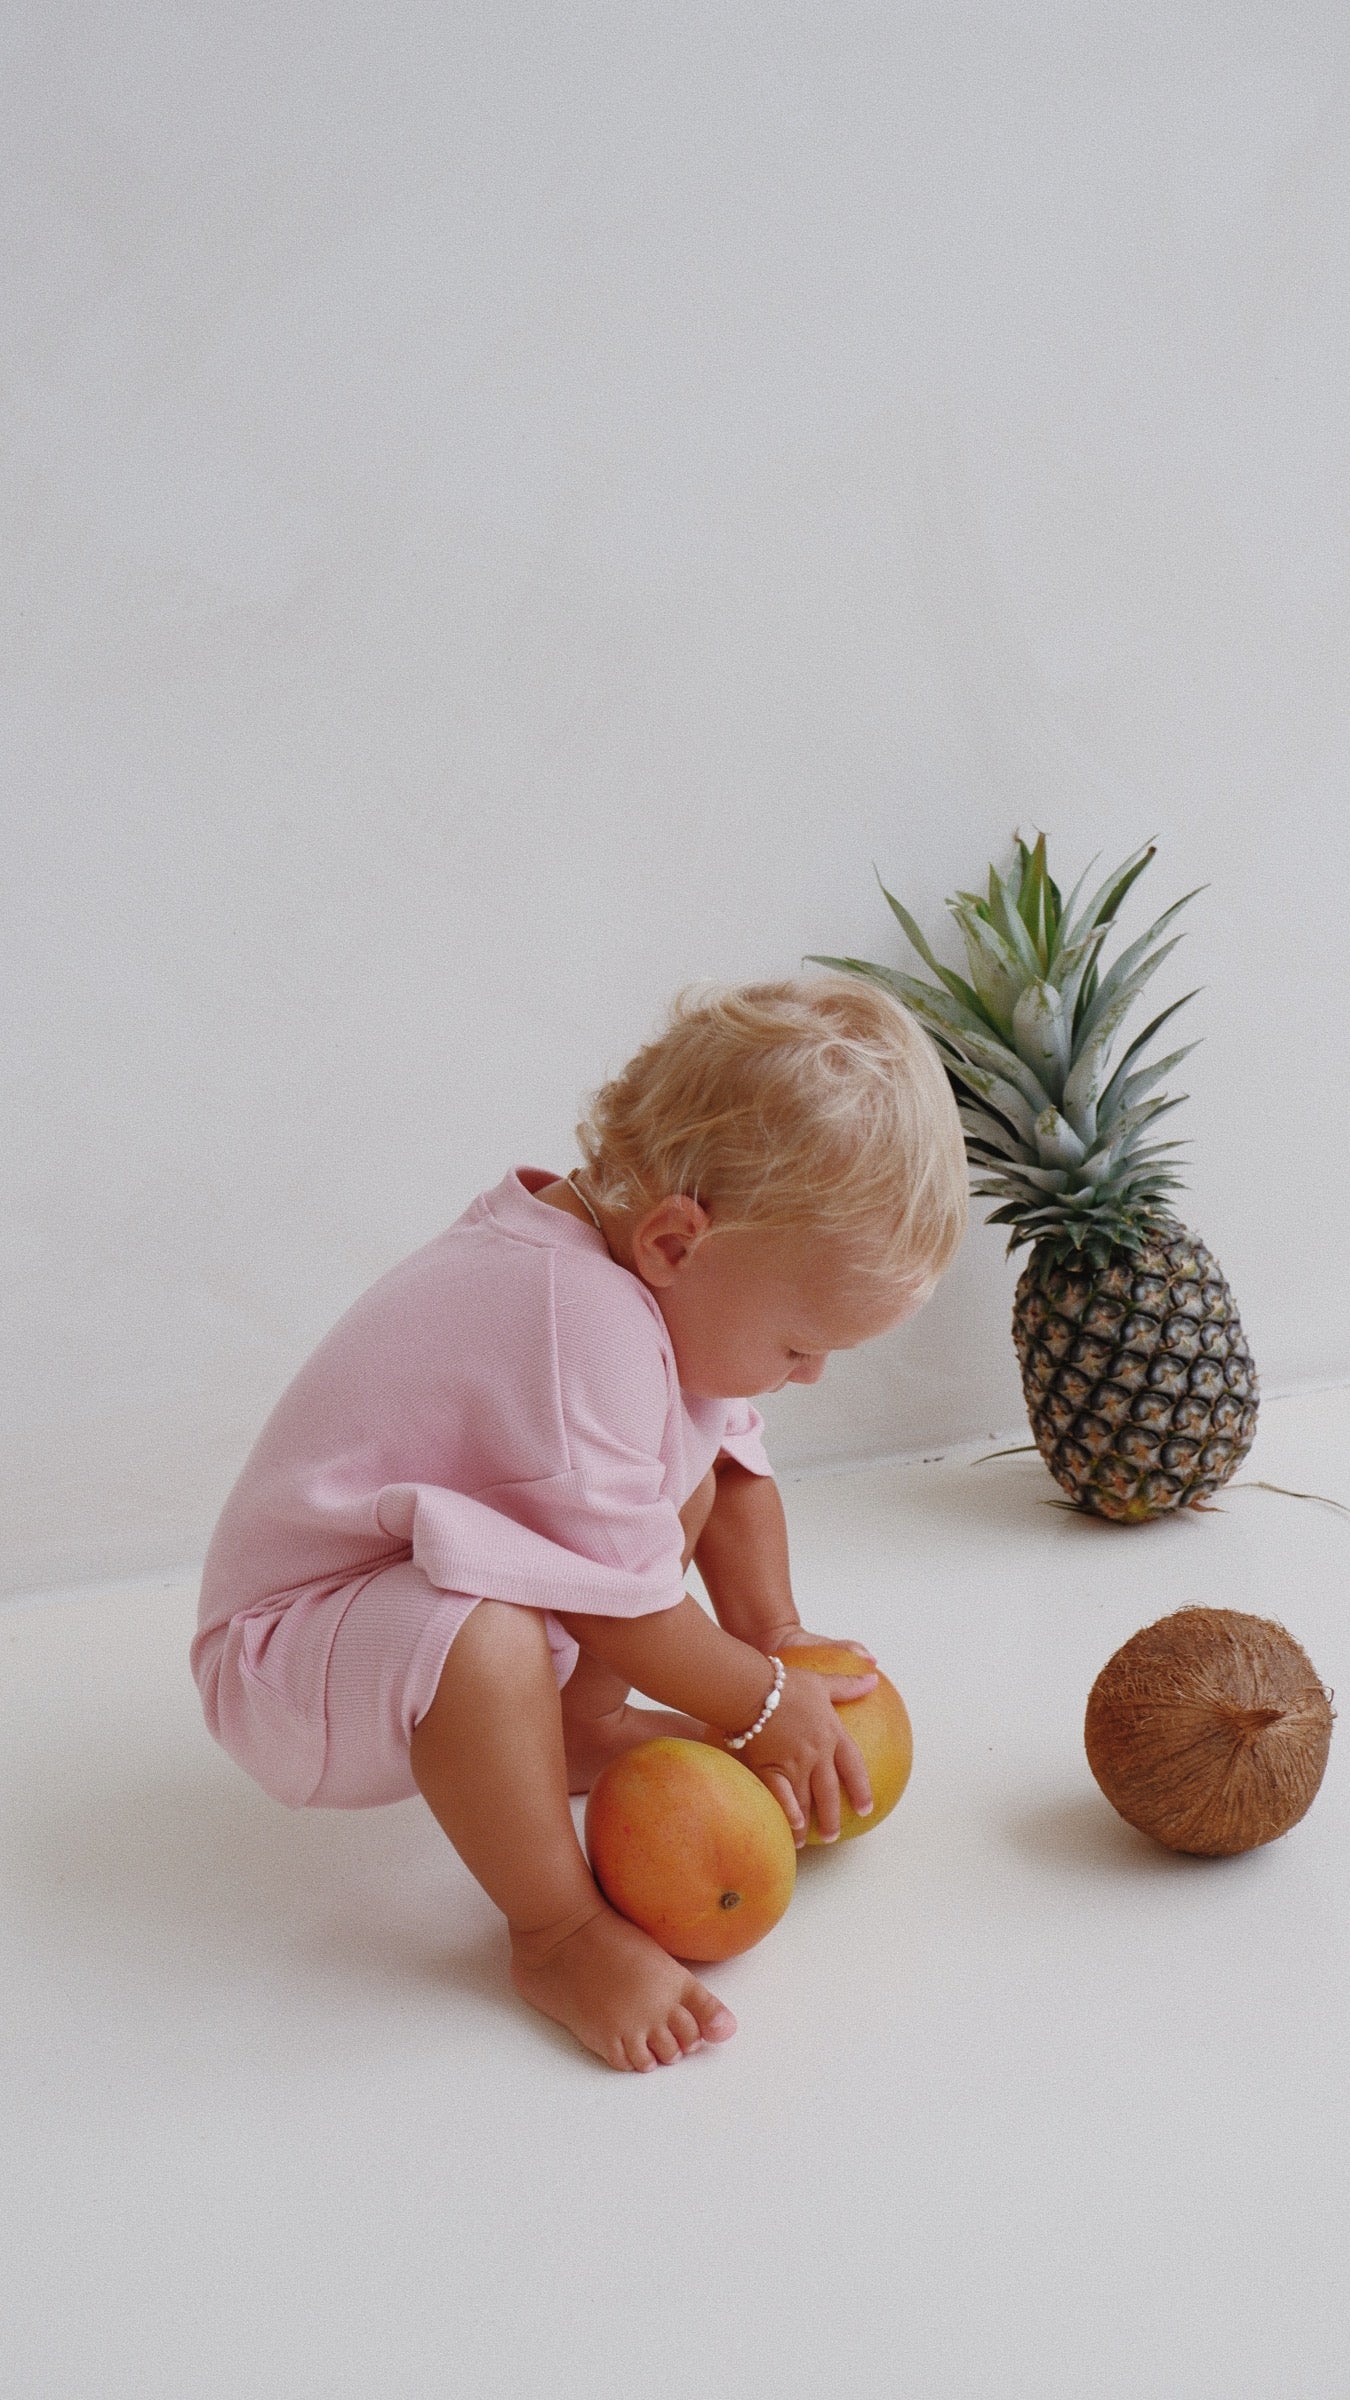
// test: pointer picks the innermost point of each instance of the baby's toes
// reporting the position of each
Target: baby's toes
(663, 2045)
(685, 2027)
(715, 2022)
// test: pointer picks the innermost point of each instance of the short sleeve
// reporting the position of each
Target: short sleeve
(620, 1411)
(743, 1437)
(602, 1536)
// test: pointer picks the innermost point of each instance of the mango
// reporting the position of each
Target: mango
(688, 1844)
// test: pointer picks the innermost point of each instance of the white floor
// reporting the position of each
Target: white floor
(1020, 2104)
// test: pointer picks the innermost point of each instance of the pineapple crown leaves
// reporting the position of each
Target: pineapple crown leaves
(1058, 1138)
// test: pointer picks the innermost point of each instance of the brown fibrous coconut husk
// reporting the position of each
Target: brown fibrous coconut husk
(1210, 1731)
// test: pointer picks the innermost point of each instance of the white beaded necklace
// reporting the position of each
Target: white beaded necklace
(576, 1187)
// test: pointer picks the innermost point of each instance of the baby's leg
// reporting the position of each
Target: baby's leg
(597, 1721)
(488, 1758)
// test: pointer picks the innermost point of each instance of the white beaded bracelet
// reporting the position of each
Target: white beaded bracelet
(737, 1741)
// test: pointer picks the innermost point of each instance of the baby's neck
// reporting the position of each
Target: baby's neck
(565, 1195)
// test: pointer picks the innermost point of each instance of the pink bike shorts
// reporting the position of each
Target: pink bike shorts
(317, 1699)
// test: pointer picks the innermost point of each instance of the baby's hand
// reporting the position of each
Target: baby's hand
(804, 1754)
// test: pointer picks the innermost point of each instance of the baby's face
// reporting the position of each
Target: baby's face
(748, 1312)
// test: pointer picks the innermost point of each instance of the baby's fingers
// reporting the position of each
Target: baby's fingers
(825, 1798)
(852, 1769)
(846, 1769)
(849, 1687)
(800, 1638)
(776, 1782)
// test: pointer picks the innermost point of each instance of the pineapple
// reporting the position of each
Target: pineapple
(1138, 1381)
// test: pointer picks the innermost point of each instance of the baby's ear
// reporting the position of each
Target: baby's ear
(666, 1236)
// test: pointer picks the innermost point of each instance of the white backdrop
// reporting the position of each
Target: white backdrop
(510, 509)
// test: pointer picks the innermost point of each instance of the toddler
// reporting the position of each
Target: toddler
(461, 1537)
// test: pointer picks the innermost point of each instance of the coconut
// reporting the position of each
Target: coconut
(1210, 1731)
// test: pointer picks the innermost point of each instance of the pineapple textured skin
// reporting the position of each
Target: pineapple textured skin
(1138, 1381)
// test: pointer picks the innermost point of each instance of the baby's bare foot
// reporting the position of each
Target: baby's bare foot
(592, 1742)
(615, 1988)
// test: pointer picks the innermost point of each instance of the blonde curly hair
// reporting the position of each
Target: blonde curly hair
(816, 1104)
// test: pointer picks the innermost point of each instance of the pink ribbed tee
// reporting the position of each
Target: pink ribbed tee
(503, 1410)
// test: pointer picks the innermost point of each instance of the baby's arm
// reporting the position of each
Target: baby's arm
(742, 1555)
(681, 1658)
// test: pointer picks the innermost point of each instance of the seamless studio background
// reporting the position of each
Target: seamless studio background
(511, 510)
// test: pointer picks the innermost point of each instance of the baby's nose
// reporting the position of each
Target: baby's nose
(810, 1370)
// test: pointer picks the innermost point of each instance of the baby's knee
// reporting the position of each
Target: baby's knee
(502, 1634)
(500, 1648)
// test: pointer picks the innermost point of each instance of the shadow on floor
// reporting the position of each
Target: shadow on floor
(1084, 1836)
(200, 1865)
(996, 1496)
